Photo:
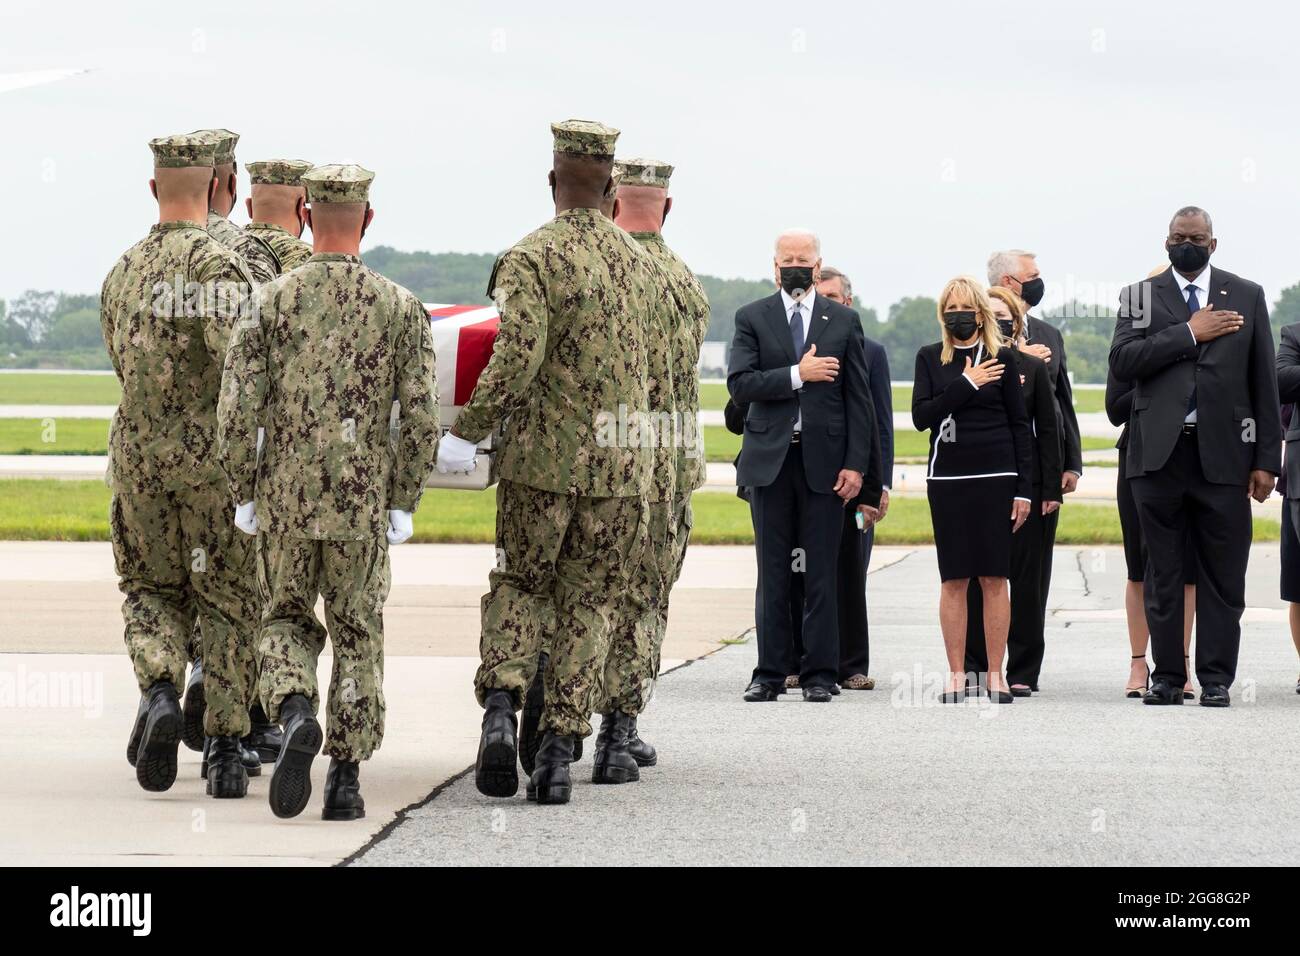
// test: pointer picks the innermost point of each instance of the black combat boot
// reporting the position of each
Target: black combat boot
(251, 762)
(137, 730)
(495, 772)
(551, 782)
(155, 764)
(227, 778)
(291, 782)
(343, 791)
(530, 737)
(642, 752)
(264, 738)
(612, 762)
(196, 703)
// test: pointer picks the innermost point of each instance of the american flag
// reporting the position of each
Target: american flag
(462, 342)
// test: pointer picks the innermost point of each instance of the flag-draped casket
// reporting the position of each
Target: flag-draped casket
(462, 339)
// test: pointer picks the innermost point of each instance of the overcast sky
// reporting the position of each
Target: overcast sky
(914, 137)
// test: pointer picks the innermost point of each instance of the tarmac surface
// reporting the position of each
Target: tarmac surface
(1076, 775)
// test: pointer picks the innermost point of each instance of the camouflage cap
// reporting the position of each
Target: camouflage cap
(336, 183)
(278, 172)
(225, 142)
(585, 137)
(185, 149)
(645, 172)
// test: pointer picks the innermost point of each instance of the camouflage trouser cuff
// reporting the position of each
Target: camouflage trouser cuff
(566, 726)
(351, 754)
(233, 725)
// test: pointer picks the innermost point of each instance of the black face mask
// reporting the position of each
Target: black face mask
(960, 325)
(1007, 326)
(1188, 256)
(1032, 291)
(795, 279)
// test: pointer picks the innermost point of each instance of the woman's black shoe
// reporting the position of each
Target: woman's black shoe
(1000, 697)
(952, 697)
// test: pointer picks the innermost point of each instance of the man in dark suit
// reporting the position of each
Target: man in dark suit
(1288, 485)
(1204, 437)
(1017, 270)
(855, 540)
(798, 361)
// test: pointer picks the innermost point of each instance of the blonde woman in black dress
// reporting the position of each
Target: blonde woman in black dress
(967, 393)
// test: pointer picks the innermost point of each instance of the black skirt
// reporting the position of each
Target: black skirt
(972, 526)
(1290, 553)
(1130, 529)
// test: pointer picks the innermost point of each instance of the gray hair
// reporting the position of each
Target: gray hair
(799, 234)
(846, 287)
(1193, 211)
(1007, 263)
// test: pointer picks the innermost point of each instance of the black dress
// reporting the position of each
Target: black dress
(980, 458)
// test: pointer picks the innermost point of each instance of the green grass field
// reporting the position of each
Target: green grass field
(58, 388)
(713, 396)
(910, 447)
(53, 436)
(47, 510)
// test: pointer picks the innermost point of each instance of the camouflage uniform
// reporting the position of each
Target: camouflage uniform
(333, 345)
(634, 654)
(632, 637)
(288, 250)
(569, 365)
(257, 255)
(168, 309)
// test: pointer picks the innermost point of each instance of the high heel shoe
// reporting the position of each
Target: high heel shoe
(1188, 692)
(952, 696)
(1137, 692)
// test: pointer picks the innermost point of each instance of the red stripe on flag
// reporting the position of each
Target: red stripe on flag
(473, 351)
(447, 311)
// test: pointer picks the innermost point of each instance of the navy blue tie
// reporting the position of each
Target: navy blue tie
(796, 331)
(1193, 306)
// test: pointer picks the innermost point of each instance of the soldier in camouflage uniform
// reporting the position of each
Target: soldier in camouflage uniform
(260, 263)
(257, 255)
(633, 664)
(277, 210)
(568, 382)
(330, 347)
(168, 309)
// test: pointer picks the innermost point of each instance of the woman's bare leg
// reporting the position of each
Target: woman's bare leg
(952, 621)
(997, 618)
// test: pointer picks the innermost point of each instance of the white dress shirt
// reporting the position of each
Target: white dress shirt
(1202, 286)
(805, 307)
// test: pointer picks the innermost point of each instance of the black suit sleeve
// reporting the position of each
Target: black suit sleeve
(882, 400)
(1135, 355)
(1288, 365)
(746, 381)
(1262, 375)
(1013, 400)
(1119, 399)
(862, 447)
(930, 407)
(1071, 443)
(1046, 432)
(734, 417)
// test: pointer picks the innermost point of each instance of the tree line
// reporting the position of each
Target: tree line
(43, 329)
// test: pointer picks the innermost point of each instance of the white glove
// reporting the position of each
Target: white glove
(399, 526)
(455, 455)
(246, 517)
